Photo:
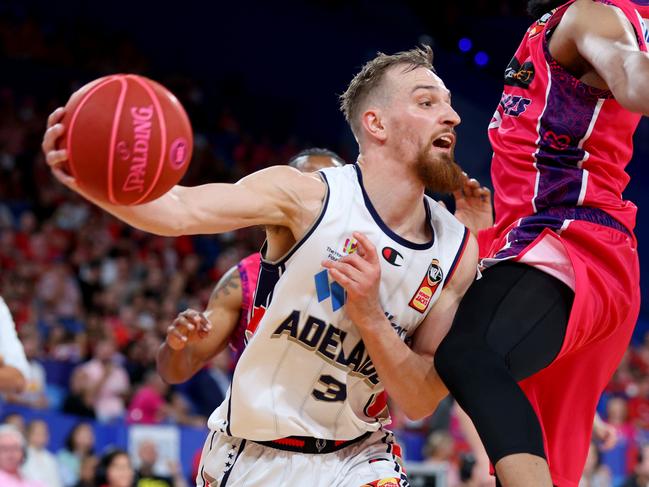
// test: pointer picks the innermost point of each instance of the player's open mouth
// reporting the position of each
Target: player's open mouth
(444, 141)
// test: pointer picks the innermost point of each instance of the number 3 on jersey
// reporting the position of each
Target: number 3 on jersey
(332, 390)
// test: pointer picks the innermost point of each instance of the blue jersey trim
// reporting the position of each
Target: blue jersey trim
(377, 219)
(458, 256)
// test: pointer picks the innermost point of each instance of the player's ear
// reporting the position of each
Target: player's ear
(372, 122)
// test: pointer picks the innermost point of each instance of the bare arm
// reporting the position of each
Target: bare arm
(275, 196)
(359, 274)
(603, 38)
(195, 338)
(11, 379)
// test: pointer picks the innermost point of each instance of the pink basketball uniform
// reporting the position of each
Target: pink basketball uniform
(560, 152)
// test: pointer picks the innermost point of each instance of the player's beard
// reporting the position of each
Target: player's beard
(536, 8)
(438, 171)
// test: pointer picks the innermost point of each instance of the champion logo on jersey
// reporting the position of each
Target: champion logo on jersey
(427, 288)
(392, 256)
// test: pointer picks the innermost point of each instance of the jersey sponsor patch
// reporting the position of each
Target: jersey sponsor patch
(519, 75)
(390, 482)
(427, 288)
(514, 105)
(392, 256)
(351, 245)
(325, 290)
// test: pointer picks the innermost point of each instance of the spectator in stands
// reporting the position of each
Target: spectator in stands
(16, 420)
(87, 472)
(80, 401)
(617, 458)
(640, 477)
(12, 454)
(639, 408)
(40, 464)
(439, 452)
(105, 381)
(146, 474)
(148, 405)
(595, 474)
(114, 470)
(79, 445)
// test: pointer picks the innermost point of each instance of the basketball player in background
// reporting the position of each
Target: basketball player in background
(14, 368)
(536, 340)
(351, 302)
(231, 301)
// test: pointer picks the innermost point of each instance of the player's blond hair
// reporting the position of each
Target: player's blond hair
(352, 101)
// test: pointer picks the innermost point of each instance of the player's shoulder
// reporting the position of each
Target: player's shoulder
(287, 186)
(591, 16)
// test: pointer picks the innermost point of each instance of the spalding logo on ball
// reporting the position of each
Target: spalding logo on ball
(128, 139)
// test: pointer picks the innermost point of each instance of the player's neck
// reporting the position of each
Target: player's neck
(396, 195)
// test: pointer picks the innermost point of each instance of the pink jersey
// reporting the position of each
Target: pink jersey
(560, 149)
(560, 146)
(249, 272)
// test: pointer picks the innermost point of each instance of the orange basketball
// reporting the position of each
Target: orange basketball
(128, 139)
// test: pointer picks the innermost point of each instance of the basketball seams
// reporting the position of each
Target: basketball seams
(73, 119)
(113, 138)
(144, 83)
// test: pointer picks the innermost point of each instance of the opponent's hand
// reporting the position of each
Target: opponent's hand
(189, 326)
(359, 274)
(56, 159)
(473, 205)
(606, 434)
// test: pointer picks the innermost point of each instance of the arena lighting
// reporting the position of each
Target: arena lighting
(465, 44)
(481, 58)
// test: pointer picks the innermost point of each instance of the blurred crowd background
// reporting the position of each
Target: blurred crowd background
(92, 297)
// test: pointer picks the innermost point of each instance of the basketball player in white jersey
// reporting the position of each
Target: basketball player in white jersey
(353, 298)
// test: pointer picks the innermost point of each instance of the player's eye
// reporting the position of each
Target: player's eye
(426, 103)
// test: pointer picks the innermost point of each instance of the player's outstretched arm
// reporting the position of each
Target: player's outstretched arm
(606, 40)
(194, 338)
(408, 375)
(275, 196)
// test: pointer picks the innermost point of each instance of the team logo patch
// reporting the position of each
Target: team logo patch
(519, 75)
(351, 245)
(392, 256)
(537, 27)
(435, 274)
(391, 482)
(427, 288)
(513, 105)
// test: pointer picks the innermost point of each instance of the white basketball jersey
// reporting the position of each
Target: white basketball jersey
(305, 370)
